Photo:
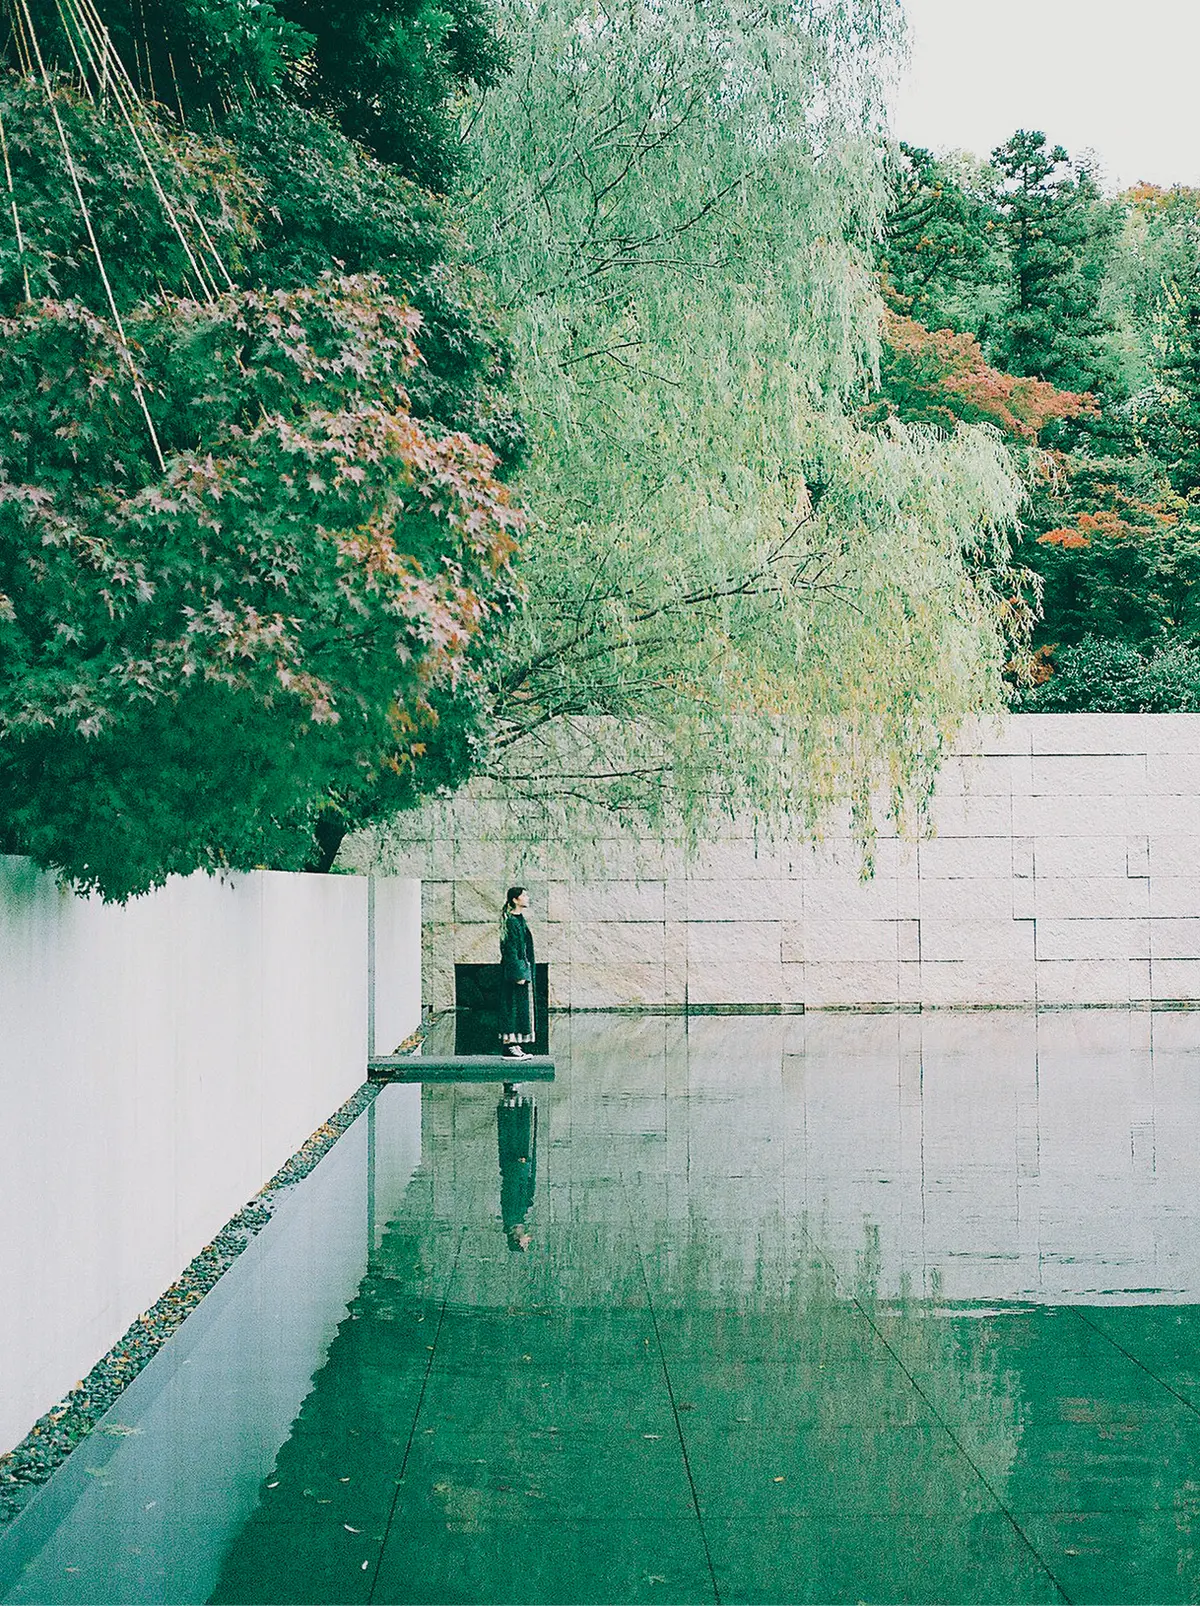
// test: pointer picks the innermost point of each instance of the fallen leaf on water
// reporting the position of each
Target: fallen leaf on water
(351, 1530)
(780, 1480)
(651, 1435)
(365, 1565)
(274, 1485)
(150, 1504)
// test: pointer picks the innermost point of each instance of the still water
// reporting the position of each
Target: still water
(831, 1308)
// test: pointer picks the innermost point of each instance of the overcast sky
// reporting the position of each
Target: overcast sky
(1117, 76)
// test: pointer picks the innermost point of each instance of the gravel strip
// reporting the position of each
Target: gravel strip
(52, 1437)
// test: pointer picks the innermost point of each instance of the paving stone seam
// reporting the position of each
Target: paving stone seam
(943, 1423)
(687, 1464)
(1141, 1365)
(412, 1432)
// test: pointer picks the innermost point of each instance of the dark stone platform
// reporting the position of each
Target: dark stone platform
(460, 1068)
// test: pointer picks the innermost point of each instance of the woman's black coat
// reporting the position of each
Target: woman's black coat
(516, 980)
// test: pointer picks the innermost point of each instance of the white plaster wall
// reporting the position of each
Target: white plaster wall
(396, 976)
(1064, 869)
(158, 1063)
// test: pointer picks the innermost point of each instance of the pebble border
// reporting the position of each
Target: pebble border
(53, 1436)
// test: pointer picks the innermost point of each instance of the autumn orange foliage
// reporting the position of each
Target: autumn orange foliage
(951, 371)
(1128, 517)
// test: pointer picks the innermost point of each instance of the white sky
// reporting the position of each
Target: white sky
(1120, 77)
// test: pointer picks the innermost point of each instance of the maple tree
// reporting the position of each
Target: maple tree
(941, 377)
(1119, 553)
(248, 554)
(198, 662)
(253, 540)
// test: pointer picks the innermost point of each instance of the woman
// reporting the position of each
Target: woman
(516, 975)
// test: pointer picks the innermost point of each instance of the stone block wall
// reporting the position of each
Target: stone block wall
(1064, 869)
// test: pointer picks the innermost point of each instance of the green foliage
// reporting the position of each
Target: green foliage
(939, 377)
(281, 633)
(1098, 676)
(195, 665)
(387, 74)
(187, 56)
(1095, 292)
(737, 596)
(1118, 550)
(1175, 425)
(1061, 234)
(202, 180)
(324, 200)
(944, 252)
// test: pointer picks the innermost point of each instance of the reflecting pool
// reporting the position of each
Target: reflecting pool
(825, 1308)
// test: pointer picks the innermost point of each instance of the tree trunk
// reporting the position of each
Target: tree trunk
(327, 839)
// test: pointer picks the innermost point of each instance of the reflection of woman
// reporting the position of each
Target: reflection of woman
(516, 1133)
(516, 975)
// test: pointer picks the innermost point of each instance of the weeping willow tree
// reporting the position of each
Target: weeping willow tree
(738, 599)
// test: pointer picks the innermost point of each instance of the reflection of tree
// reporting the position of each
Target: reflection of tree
(799, 1380)
(799, 1394)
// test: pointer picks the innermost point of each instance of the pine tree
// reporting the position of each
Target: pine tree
(943, 256)
(1176, 426)
(1061, 235)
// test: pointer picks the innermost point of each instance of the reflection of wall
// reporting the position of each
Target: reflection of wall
(1064, 870)
(158, 1063)
(1005, 1156)
(990, 1156)
(150, 1514)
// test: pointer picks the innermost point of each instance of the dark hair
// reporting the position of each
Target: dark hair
(511, 896)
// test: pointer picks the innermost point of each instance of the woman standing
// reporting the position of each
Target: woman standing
(517, 1024)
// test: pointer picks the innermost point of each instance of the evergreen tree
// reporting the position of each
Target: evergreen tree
(388, 72)
(1061, 234)
(943, 256)
(1176, 427)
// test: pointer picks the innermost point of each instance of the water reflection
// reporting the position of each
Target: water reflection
(516, 1139)
(831, 1308)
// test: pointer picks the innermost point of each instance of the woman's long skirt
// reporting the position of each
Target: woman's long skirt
(516, 1013)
